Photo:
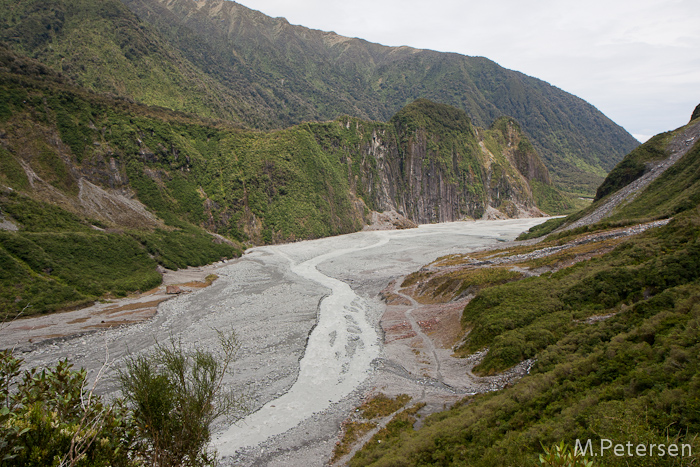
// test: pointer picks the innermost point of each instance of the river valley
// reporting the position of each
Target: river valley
(315, 335)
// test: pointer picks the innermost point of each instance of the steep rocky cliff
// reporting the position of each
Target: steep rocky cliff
(431, 164)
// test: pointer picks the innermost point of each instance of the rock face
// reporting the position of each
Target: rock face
(696, 113)
(432, 165)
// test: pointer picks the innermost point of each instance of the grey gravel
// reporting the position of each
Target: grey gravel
(274, 310)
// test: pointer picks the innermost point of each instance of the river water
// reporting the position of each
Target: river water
(349, 270)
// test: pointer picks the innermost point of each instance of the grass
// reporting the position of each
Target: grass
(57, 260)
(377, 407)
(382, 406)
(352, 432)
(443, 287)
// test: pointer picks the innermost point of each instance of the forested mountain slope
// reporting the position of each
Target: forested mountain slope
(78, 163)
(219, 59)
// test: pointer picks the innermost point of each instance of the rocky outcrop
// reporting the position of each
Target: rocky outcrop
(432, 165)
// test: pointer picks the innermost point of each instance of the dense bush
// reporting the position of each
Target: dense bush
(49, 417)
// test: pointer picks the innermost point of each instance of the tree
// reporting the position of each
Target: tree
(175, 394)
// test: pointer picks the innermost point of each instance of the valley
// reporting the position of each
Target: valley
(175, 170)
(276, 298)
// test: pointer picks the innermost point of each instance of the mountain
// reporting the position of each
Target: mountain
(221, 60)
(655, 181)
(171, 189)
(606, 314)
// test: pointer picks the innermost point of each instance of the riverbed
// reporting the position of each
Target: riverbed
(307, 318)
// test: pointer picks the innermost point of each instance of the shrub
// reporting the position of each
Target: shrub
(52, 419)
(175, 394)
(561, 455)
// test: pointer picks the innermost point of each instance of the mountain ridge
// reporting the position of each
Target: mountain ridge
(403, 74)
(223, 60)
(75, 164)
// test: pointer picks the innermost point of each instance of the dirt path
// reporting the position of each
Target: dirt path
(428, 344)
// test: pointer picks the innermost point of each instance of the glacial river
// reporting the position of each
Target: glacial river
(351, 270)
(306, 316)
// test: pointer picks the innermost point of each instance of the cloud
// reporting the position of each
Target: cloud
(638, 62)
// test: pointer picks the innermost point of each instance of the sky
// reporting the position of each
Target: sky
(637, 61)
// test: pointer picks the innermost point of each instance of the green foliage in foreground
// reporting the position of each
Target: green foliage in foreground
(563, 455)
(176, 394)
(630, 373)
(51, 418)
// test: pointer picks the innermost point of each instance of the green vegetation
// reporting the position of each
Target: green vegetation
(175, 394)
(543, 229)
(352, 432)
(675, 191)
(451, 141)
(51, 417)
(553, 202)
(251, 187)
(616, 343)
(614, 340)
(57, 260)
(518, 320)
(448, 286)
(634, 165)
(382, 405)
(266, 74)
(377, 407)
(563, 455)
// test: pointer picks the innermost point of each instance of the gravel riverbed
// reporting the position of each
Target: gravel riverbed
(307, 317)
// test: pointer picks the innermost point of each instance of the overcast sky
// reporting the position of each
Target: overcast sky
(638, 61)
